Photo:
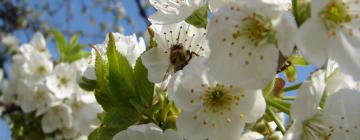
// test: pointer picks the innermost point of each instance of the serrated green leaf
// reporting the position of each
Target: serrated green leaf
(103, 133)
(105, 100)
(115, 120)
(199, 17)
(144, 88)
(121, 75)
(101, 71)
(298, 60)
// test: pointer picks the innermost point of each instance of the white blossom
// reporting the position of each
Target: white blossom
(146, 132)
(129, 46)
(35, 97)
(246, 40)
(210, 109)
(177, 44)
(57, 117)
(283, 5)
(37, 44)
(62, 82)
(332, 32)
(173, 11)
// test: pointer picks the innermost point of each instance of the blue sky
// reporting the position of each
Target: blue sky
(77, 24)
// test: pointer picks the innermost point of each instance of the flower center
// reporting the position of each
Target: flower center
(41, 70)
(217, 98)
(334, 14)
(315, 128)
(257, 29)
(64, 81)
(40, 95)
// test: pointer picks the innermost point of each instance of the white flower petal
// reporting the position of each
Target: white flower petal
(286, 32)
(315, 47)
(347, 54)
(171, 11)
(157, 63)
(308, 98)
(342, 111)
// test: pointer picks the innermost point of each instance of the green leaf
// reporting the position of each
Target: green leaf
(105, 99)
(103, 133)
(74, 40)
(60, 43)
(121, 75)
(144, 88)
(77, 56)
(199, 17)
(101, 71)
(301, 10)
(87, 84)
(298, 60)
(115, 120)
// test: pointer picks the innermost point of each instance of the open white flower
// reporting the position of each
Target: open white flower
(332, 32)
(173, 11)
(129, 46)
(35, 97)
(37, 44)
(338, 120)
(210, 109)
(62, 82)
(283, 5)
(146, 132)
(11, 42)
(57, 117)
(37, 66)
(84, 119)
(342, 115)
(305, 110)
(177, 44)
(246, 40)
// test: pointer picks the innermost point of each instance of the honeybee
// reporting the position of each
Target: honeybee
(179, 57)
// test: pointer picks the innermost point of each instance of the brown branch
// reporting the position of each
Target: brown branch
(142, 12)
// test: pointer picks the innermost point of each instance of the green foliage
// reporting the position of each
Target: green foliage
(116, 119)
(301, 10)
(69, 51)
(21, 122)
(199, 17)
(298, 60)
(144, 87)
(124, 92)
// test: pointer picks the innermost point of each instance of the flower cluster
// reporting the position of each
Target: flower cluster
(212, 70)
(48, 91)
(224, 77)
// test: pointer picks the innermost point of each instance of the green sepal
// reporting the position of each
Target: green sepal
(199, 17)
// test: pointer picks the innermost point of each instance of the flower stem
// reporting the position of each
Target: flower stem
(275, 119)
(288, 98)
(279, 104)
(292, 87)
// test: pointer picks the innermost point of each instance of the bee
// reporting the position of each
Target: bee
(179, 56)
